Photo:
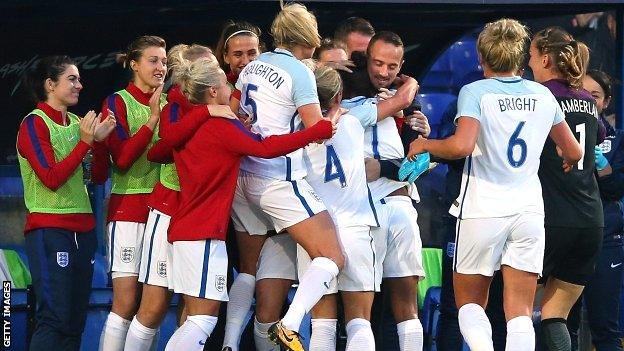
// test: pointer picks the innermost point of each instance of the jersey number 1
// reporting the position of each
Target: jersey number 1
(333, 162)
(580, 128)
(516, 141)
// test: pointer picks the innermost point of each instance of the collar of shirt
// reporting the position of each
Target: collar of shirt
(56, 116)
(283, 51)
(231, 77)
(140, 96)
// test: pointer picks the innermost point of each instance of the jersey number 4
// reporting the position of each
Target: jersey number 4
(249, 102)
(514, 142)
(333, 168)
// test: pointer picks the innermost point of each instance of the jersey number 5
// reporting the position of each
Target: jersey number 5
(333, 162)
(516, 141)
(249, 102)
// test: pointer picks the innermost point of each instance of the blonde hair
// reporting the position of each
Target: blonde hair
(197, 76)
(502, 45)
(570, 57)
(328, 85)
(295, 25)
(184, 52)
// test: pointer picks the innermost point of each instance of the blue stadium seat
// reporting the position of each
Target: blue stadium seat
(433, 106)
(464, 60)
(430, 315)
(439, 78)
(100, 272)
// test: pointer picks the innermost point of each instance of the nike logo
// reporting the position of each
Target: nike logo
(326, 284)
(93, 261)
(202, 343)
(615, 265)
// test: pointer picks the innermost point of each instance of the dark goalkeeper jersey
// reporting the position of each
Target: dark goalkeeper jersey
(572, 199)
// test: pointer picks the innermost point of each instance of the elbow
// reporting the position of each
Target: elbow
(462, 151)
(51, 184)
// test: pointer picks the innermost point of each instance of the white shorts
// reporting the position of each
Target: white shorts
(398, 224)
(285, 203)
(278, 258)
(363, 264)
(155, 253)
(247, 218)
(482, 245)
(200, 269)
(124, 243)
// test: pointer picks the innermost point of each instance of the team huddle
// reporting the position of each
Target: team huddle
(314, 162)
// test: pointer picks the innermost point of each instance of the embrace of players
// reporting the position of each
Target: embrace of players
(314, 161)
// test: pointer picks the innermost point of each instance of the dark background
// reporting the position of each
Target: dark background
(93, 32)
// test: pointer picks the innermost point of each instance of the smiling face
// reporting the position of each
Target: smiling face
(150, 68)
(597, 92)
(66, 90)
(384, 63)
(241, 49)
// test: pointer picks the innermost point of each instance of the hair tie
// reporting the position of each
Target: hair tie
(236, 33)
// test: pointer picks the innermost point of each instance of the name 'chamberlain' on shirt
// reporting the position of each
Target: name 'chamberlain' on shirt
(265, 72)
(517, 104)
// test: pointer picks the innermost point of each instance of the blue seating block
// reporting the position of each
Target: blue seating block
(433, 106)
(430, 315)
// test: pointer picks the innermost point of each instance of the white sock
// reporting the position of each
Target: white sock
(475, 327)
(520, 334)
(241, 294)
(114, 333)
(312, 286)
(193, 334)
(410, 335)
(139, 337)
(261, 337)
(173, 340)
(155, 340)
(323, 336)
(360, 335)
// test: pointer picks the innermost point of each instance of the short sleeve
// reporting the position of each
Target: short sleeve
(468, 104)
(304, 87)
(559, 115)
(366, 113)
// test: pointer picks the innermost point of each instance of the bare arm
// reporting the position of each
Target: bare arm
(570, 149)
(459, 145)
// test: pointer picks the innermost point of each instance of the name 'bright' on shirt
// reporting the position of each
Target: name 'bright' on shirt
(517, 104)
(265, 72)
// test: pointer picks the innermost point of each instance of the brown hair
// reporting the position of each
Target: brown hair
(137, 46)
(353, 25)
(234, 29)
(329, 44)
(570, 57)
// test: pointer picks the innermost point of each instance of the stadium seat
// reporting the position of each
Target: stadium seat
(100, 272)
(433, 106)
(464, 61)
(439, 78)
(429, 317)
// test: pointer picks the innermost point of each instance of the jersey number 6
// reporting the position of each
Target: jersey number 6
(516, 141)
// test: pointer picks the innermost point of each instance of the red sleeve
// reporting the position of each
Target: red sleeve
(181, 131)
(123, 148)
(236, 94)
(33, 143)
(161, 152)
(399, 123)
(238, 139)
(100, 163)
